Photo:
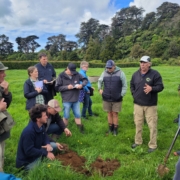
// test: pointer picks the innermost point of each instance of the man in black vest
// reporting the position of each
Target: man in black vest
(112, 85)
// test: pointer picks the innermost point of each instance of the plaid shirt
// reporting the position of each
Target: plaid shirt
(39, 97)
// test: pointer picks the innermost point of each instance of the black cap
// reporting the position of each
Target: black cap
(72, 68)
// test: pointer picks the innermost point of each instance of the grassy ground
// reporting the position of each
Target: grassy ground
(135, 163)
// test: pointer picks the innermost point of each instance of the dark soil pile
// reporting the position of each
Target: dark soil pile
(77, 163)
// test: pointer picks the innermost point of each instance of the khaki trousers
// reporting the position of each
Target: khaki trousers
(150, 112)
(2, 149)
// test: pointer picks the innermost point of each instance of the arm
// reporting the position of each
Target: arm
(100, 82)
(157, 84)
(132, 87)
(29, 147)
(59, 87)
(124, 84)
(28, 93)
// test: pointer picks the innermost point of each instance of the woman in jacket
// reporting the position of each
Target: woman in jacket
(34, 90)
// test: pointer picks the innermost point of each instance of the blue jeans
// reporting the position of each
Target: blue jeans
(75, 106)
(38, 160)
(87, 104)
(54, 129)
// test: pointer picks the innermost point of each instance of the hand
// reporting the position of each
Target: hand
(147, 88)
(5, 85)
(48, 147)
(50, 156)
(3, 105)
(67, 132)
(101, 91)
(70, 86)
(78, 86)
(45, 81)
(38, 89)
(59, 146)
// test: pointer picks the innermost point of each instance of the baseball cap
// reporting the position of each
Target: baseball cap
(110, 64)
(145, 59)
(53, 103)
(72, 68)
(2, 67)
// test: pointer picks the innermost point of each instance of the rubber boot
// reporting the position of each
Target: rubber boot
(110, 131)
(115, 131)
(81, 128)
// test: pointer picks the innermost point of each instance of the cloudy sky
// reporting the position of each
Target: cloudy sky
(46, 18)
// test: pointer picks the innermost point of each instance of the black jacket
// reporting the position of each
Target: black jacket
(30, 94)
(137, 83)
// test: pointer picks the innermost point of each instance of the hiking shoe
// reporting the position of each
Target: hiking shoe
(134, 145)
(150, 150)
(81, 128)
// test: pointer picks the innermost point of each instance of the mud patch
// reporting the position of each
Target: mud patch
(77, 163)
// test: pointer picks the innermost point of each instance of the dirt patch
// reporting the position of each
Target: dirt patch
(77, 163)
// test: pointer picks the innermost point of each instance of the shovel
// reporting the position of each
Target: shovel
(162, 169)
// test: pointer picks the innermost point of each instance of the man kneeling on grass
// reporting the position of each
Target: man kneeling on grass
(34, 143)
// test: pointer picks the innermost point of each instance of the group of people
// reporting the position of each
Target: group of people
(42, 85)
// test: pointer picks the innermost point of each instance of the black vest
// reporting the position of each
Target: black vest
(112, 87)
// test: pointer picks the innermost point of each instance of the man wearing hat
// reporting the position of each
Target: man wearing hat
(5, 100)
(55, 125)
(68, 84)
(112, 85)
(145, 85)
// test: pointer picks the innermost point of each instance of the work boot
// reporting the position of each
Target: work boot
(115, 131)
(81, 128)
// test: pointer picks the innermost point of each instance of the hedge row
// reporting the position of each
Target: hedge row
(63, 64)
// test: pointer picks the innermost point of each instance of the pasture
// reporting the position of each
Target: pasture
(136, 164)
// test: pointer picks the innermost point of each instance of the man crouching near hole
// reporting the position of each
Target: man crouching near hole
(34, 143)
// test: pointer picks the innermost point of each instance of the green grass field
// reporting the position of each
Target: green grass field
(136, 164)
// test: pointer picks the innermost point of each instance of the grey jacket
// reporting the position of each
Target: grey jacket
(62, 82)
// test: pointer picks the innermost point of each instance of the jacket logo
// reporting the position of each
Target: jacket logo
(148, 79)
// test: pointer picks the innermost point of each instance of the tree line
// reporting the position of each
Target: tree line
(130, 35)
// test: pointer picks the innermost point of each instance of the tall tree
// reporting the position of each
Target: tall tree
(56, 43)
(87, 29)
(6, 47)
(126, 21)
(167, 10)
(27, 44)
(148, 20)
(70, 45)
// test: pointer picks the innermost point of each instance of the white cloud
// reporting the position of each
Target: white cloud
(150, 6)
(45, 18)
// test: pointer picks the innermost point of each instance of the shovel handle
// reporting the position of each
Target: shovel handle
(172, 144)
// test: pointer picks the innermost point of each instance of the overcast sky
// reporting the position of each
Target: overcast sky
(46, 18)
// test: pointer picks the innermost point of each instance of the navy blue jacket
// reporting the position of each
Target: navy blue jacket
(46, 72)
(29, 146)
(30, 94)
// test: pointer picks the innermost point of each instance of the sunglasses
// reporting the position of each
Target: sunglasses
(109, 68)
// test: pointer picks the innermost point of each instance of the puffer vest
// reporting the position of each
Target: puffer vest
(112, 86)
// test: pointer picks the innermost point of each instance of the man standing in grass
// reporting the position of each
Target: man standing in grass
(68, 84)
(145, 85)
(115, 86)
(55, 125)
(47, 74)
(5, 100)
(34, 142)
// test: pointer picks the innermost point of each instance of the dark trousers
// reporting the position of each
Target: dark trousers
(87, 104)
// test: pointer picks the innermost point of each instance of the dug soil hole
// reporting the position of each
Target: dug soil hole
(77, 163)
